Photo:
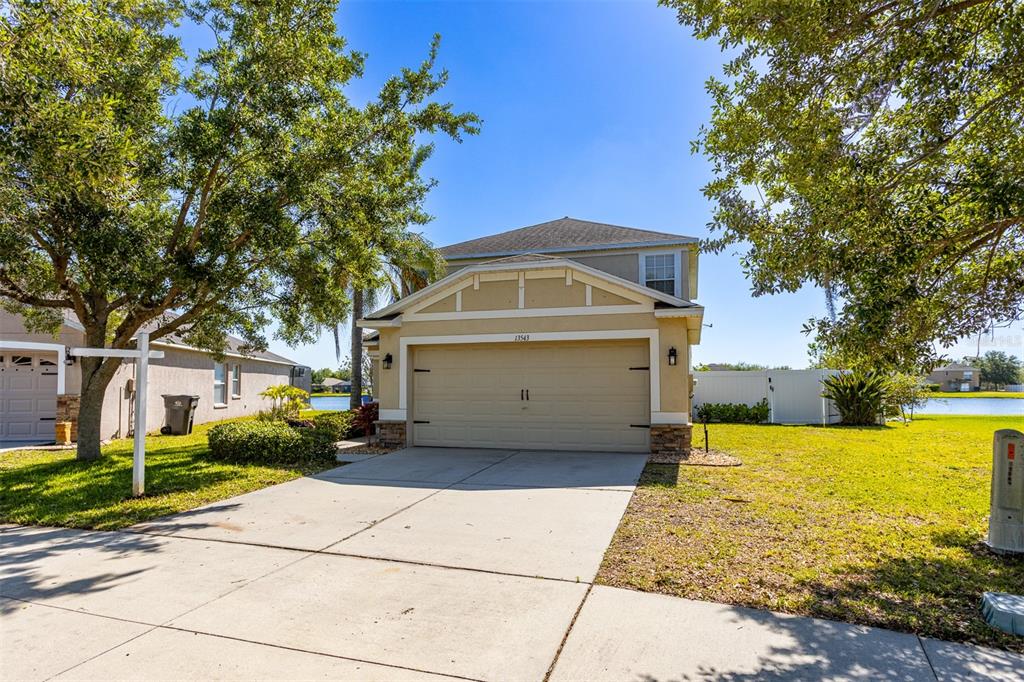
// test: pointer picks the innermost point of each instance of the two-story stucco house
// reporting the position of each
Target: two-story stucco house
(567, 335)
(40, 382)
(956, 377)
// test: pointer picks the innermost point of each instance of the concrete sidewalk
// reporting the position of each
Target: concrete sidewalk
(423, 564)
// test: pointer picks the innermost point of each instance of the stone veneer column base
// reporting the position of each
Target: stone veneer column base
(670, 443)
(67, 411)
(391, 434)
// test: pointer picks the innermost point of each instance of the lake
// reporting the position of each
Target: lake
(331, 402)
(993, 406)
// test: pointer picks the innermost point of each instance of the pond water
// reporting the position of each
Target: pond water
(331, 402)
(996, 406)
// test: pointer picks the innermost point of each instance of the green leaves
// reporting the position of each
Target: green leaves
(225, 186)
(875, 150)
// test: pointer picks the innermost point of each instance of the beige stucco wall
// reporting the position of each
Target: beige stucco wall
(553, 293)
(492, 295)
(189, 373)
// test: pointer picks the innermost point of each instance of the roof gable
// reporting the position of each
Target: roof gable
(560, 236)
(467, 276)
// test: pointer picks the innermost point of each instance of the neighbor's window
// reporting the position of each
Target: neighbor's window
(220, 388)
(968, 374)
(236, 381)
(660, 272)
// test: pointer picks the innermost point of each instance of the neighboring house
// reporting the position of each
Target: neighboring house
(40, 383)
(568, 335)
(335, 385)
(956, 377)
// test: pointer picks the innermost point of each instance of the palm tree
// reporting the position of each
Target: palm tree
(405, 262)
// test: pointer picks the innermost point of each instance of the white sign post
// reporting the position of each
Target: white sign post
(142, 355)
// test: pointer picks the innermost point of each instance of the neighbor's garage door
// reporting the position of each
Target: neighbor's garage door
(28, 396)
(591, 395)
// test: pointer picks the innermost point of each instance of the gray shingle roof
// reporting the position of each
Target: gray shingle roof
(564, 234)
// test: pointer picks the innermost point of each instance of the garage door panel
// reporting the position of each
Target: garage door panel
(28, 396)
(582, 396)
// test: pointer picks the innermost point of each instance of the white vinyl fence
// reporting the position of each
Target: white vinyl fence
(793, 395)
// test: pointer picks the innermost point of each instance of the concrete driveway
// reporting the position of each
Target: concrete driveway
(422, 564)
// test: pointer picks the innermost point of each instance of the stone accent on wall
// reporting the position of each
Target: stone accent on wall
(670, 443)
(67, 411)
(391, 434)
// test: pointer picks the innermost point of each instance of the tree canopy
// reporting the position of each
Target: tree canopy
(199, 194)
(874, 149)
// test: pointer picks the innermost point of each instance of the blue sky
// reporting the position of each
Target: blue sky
(589, 109)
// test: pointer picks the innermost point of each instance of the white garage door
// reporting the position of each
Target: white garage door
(591, 395)
(28, 396)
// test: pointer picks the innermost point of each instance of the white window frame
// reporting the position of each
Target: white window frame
(968, 374)
(236, 381)
(221, 385)
(677, 265)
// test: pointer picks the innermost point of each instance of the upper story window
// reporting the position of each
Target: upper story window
(220, 387)
(659, 272)
(968, 374)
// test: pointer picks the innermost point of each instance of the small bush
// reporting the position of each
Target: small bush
(333, 425)
(933, 388)
(365, 416)
(734, 413)
(860, 397)
(267, 442)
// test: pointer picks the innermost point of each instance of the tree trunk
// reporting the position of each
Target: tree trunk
(96, 376)
(356, 398)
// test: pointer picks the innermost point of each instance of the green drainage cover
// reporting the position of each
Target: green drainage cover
(1004, 611)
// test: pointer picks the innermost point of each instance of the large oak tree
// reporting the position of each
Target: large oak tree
(874, 148)
(198, 194)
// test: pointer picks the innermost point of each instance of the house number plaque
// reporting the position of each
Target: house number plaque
(522, 337)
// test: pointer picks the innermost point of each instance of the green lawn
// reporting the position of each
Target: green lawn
(52, 488)
(881, 526)
(976, 394)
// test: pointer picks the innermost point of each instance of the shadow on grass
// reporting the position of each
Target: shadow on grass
(932, 596)
(97, 494)
(25, 552)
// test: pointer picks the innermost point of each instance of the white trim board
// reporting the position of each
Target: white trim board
(651, 335)
(59, 348)
(530, 312)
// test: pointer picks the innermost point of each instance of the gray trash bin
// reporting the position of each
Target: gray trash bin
(180, 410)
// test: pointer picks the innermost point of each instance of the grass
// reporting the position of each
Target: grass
(52, 488)
(977, 394)
(881, 526)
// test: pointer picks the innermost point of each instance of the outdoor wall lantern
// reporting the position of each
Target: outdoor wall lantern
(387, 361)
(672, 354)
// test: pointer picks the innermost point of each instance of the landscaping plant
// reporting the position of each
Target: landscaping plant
(287, 401)
(859, 396)
(334, 425)
(268, 442)
(364, 419)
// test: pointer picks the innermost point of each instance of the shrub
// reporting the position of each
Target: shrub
(933, 388)
(333, 425)
(267, 442)
(364, 418)
(859, 396)
(286, 400)
(734, 413)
